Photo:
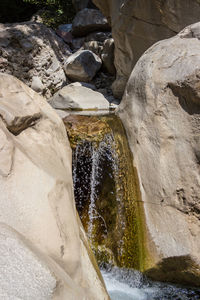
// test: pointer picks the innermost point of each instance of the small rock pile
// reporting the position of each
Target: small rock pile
(92, 46)
(47, 61)
(34, 54)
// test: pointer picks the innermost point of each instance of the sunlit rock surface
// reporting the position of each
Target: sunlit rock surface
(161, 114)
(37, 194)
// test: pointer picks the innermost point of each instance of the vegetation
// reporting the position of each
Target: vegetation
(53, 12)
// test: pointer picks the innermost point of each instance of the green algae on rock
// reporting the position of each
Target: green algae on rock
(107, 191)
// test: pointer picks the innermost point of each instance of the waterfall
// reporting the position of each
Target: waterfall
(95, 153)
(107, 199)
(106, 189)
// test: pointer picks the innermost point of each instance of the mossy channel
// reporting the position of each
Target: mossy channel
(106, 190)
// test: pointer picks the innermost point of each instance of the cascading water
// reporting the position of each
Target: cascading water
(108, 201)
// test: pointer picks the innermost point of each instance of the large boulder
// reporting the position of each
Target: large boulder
(77, 97)
(89, 20)
(37, 192)
(138, 24)
(82, 65)
(31, 50)
(161, 113)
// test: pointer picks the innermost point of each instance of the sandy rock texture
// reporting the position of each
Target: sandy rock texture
(37, 198)
(161, 113)
(34, 54)
(138, 24)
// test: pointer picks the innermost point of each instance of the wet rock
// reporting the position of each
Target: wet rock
(82, 65)
(78, 97)
(89, 20)
(28, 51)
(161, 114)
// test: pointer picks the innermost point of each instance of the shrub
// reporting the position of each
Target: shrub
(54, 12)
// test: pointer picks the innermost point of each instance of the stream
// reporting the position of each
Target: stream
(127, 284)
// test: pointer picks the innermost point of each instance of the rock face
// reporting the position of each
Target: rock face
(82, 65)
(37, 200)
(77, 97)
(138, 24)
(161, 113)
(87, 21)
(30, 50)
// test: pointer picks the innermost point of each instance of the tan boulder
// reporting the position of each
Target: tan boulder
(138, 24)
(77, 97)
(161, 113)
(36, 186)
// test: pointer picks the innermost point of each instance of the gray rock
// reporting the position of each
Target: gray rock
(77, 43)
(107, 56)
(82, 65)
(89, 20)
(94, 46)
(78, 97)
(37, 84)
(65, 27)
(161, 113)
(98, 36)
(29, 50)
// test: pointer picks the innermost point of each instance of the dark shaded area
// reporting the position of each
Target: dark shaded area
(177, 269)
(52, 12)
(82, 168)
(12, 11)
(188, 96)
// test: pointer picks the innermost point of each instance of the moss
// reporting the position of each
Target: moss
(85, 128)
(119, 234)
